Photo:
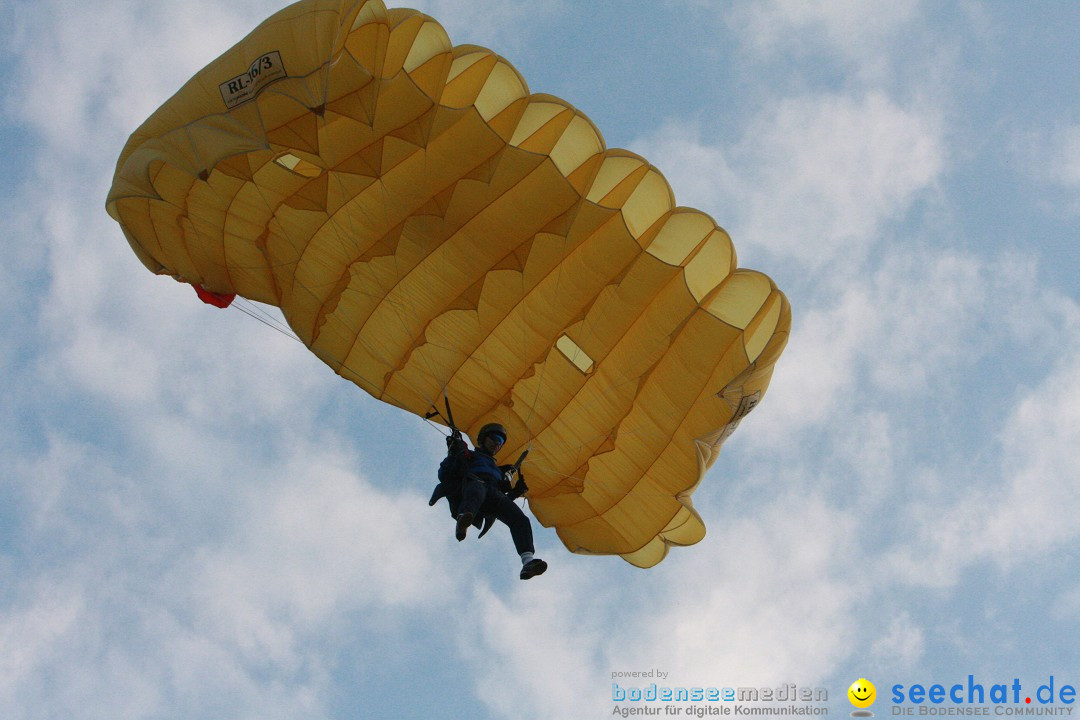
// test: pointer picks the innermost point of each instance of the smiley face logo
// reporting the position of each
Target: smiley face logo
(862, 693)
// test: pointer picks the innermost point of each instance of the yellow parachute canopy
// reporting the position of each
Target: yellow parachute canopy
(426, 224)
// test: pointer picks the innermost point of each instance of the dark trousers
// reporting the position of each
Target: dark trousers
(482, 498)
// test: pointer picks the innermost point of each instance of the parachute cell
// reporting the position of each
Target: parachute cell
(426, 224)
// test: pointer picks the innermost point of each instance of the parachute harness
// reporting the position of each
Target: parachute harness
(455, 435)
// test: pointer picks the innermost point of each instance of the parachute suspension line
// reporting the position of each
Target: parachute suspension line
(341, 234)
(400, 308)
(271, 213)
(271, 322)
(253, 311)
(250, 309)
(448, 417)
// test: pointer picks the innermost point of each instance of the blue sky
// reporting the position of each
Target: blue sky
(199, 519)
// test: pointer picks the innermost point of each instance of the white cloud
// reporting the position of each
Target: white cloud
(927, 306)
(774, 599)
(830, 171)
(1038, 510)
(80, 78)
(817, 375)
(532, 653)
(906, 387)
(1067, 604)
(1068, 163)
(762, 601)
(313, 544)
(29, 635)
(901, 646)
(699, 172)
(498, 24)
(889, 337)
(1052, 157)
(855, 32)
(145, 344)
(812, 179)
(230, 601)
(1029, 509)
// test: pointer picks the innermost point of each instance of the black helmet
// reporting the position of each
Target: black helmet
(491, 429)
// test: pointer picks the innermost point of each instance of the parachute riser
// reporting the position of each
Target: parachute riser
(449, 417)
(455, 434)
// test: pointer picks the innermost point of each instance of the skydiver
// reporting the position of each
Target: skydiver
(479, 491)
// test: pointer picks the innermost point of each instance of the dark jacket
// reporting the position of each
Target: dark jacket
(461, 462)
(470, 462)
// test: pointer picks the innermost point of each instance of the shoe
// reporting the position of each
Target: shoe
(534, 567)
(464, 520)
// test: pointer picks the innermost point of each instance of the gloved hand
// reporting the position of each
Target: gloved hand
(520, 489)
(455, 444)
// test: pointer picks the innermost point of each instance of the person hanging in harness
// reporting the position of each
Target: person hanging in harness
(479, 491)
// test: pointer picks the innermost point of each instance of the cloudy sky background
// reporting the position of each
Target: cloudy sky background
(199, 519)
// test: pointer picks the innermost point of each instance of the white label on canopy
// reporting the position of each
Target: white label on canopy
(245, 86)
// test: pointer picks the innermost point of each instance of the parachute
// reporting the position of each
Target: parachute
(429, 226)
